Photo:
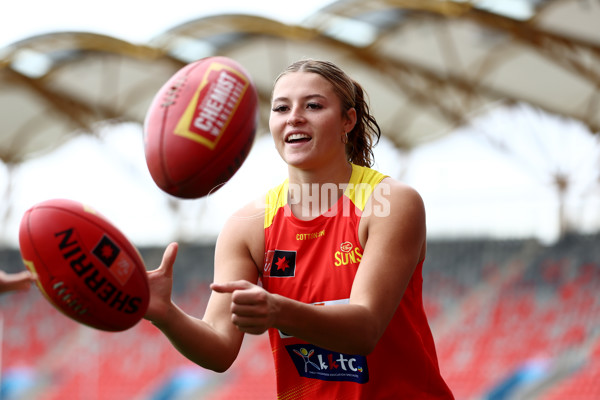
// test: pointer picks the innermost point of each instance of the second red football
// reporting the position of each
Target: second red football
(200, 127)
(85, 266)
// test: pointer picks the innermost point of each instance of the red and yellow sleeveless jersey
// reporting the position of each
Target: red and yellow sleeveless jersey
(315, 262)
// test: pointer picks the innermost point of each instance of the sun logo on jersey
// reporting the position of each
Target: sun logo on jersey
(348, 254)
(346, 247)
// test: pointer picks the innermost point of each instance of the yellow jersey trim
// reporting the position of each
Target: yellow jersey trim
(276, 198)
(360, 187)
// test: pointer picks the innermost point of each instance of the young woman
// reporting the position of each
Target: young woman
(338, 249)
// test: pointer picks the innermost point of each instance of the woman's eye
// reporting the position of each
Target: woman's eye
(314, 106)
(279, 108)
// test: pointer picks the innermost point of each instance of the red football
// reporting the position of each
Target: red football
(200, 127)
(85, 266)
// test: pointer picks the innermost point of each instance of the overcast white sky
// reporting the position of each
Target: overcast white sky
(133, 20)
(470, 187)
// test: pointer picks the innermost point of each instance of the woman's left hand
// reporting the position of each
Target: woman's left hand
(253, 309)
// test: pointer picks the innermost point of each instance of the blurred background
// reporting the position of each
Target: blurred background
(490, 109)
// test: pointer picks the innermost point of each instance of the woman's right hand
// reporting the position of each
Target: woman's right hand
(15, 281)
(160, 281)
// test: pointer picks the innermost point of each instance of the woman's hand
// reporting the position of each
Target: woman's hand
(253, 309)
(161, 286)
(17, 281)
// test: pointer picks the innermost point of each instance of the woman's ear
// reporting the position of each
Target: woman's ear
(350, 120)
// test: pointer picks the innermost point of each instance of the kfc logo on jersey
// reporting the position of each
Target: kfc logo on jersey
(280, 264)
(317, 363)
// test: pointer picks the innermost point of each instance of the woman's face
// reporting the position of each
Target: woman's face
(306, 120)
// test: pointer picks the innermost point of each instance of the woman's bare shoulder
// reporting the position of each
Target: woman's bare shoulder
(245, 229)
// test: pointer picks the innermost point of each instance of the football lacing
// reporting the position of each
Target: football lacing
(69, 298)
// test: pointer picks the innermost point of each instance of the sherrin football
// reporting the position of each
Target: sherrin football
(200, 127)
(85, 266)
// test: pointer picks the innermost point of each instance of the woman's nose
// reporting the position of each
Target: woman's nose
(295, 117)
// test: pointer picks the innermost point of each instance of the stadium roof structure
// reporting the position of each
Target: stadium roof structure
(428, 66)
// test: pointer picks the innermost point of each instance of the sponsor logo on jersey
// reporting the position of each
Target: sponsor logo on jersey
(317, 363)
(347, 254)
(311, 235)
(280, 264)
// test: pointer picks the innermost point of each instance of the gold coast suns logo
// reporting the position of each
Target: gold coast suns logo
(347, 254)
(213, 105)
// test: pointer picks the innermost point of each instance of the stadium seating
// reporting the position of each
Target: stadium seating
(512, 319)
(535, 305)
